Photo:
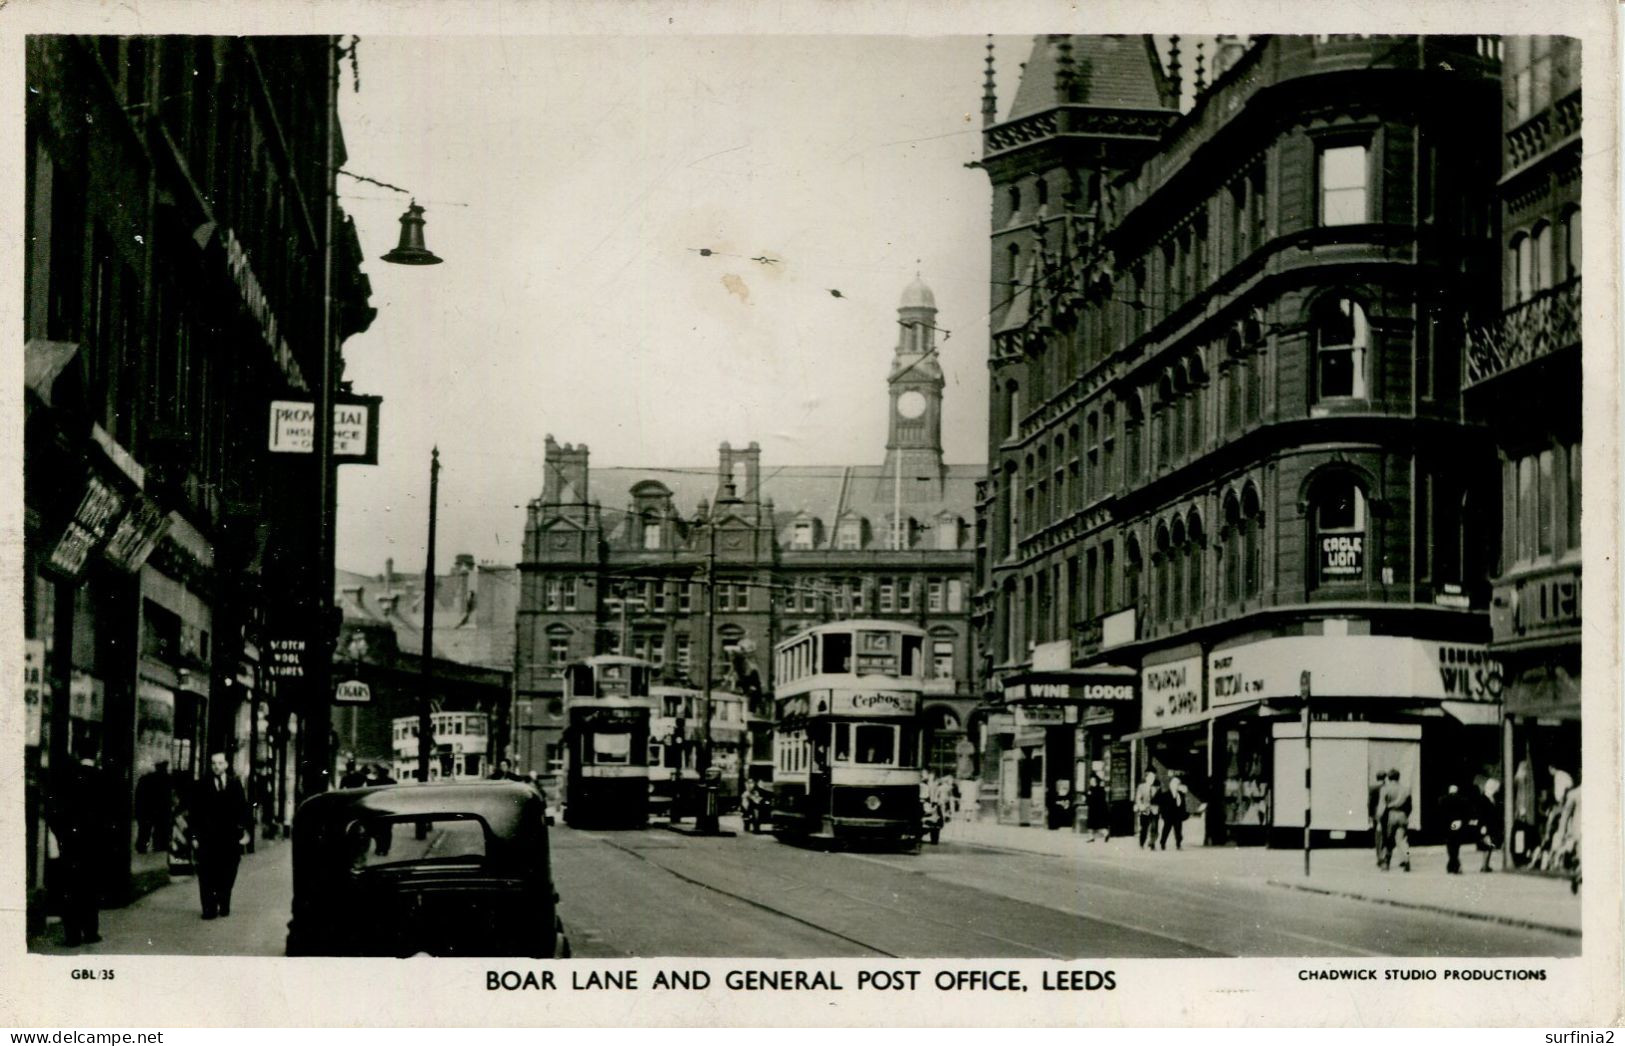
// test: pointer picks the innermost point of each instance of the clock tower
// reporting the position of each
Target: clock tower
(914, 427)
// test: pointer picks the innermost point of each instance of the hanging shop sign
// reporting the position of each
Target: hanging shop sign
(1037, 717)
(287, 658)
(354, 428)
(93, 521)
(1354, 666)
(1342, 555)
(1171, 693)
(137, 534)
(352, 692)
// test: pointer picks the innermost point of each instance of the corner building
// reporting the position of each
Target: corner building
(1228, 460)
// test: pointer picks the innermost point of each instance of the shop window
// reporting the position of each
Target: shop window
(1339, 513)
(1342, 338)
(1520, 269)
(1343, 175)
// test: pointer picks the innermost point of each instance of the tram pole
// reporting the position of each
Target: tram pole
(705, 819)
(425, 722)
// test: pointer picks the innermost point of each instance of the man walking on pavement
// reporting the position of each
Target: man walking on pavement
(78, 820)
(1394, 814)
(1458, 812)
(219, 824)
(1145, 809)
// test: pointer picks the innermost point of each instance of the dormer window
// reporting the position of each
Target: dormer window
(849, 535)
(802, 536)
(651, 532)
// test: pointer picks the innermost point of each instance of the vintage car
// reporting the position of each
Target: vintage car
(425, 869)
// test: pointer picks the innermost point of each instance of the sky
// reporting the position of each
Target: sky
(569, 183)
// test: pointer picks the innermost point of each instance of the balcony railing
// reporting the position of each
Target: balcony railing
(1547, 128)
(1542, 325)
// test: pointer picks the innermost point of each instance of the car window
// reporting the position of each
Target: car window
(377, 842)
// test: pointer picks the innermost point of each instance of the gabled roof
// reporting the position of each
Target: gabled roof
(1109, 72)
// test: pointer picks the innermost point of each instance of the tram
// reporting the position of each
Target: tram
(847, 733)
(674, 744)
(606, 742)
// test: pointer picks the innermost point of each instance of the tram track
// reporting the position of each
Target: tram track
(762, 906)
(999, 944)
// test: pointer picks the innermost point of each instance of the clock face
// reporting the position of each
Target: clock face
(911, 404)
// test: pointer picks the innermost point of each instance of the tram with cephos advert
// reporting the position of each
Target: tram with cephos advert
(606, 742)
(847, 733)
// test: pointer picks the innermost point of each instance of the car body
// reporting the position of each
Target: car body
(412, 869)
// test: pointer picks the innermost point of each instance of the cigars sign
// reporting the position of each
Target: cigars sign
(1171, 693)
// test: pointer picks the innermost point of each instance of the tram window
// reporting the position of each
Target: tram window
(837, 652)
(654, 753)
(612, 748)
(876, 744)
(906, 749)
(580, 680)
(912, 648)
(843, 742)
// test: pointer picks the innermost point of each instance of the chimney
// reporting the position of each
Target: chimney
(464, 563)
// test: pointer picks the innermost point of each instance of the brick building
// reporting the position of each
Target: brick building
(175, 225)
(1523, 379)
(793, 545)
(1228, 460)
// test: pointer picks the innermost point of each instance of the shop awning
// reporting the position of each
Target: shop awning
(1473, 713)
(1213, 713)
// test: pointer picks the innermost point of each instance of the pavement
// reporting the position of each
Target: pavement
(169, 920)
(1509, 898)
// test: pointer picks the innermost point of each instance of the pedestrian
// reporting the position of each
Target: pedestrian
(1394, 814)
(1145, 809)
(1458, 812)
(353, 777)
(152, 810)
(504, 772)
(1096, 811)
(1488, 818)
(219, 822)
(78, 820)
(1371, 816)
(1171, 808)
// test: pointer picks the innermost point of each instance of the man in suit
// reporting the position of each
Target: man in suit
(78, 818)
(219, 825)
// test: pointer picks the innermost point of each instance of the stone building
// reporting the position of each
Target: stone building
(1523, 380)
(793, 545)
(1228, 459)
(176, 216)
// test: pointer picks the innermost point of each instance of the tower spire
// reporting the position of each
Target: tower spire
(990, 100)
(1173, 69)
(1064, 70)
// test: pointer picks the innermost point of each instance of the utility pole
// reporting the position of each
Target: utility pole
(706, 819)
(425, 724)
(1308, 793)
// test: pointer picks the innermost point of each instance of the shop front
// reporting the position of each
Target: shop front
(1173, 736)
(1541, 756)
(1058, 729)
(1376, 704)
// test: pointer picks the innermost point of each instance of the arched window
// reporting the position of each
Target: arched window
(1570, 226)
(1252, 542)
(1540, 250)
(1108, 448)
(1159, 568)
(1176, 569)
(1341, 340)
(1015, 201)
(651, 531)
(1338, 516)
(1520, 269)
(1043, 192)
(1195, 554)
(1165, 398)
(1133, 565)
(1231, 548)
(1014, 251)
(1133, 436)
(1231, 376)
(1012, 406)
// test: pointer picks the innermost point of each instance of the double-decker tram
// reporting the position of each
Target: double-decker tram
(675, 736)
(606, 742)
(847, 733)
